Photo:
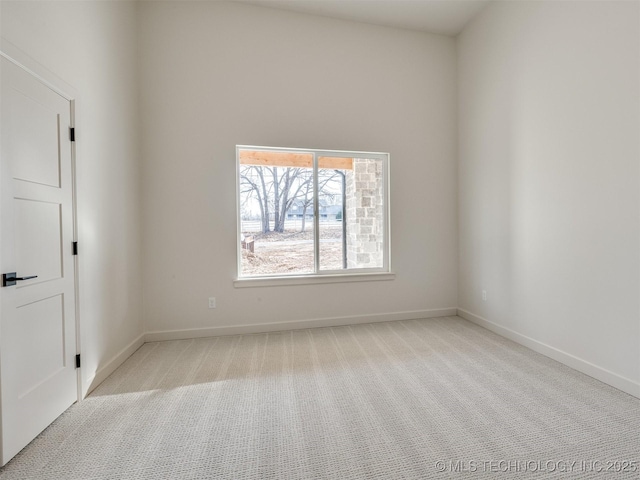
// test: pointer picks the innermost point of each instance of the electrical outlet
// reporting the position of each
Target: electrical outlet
(484, 295)
(212, 302)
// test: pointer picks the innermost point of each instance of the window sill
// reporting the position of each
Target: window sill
(312, 280)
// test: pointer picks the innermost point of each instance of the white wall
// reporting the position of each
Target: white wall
(214, 75)
(92, 47)
(548, 179)
(548, 160)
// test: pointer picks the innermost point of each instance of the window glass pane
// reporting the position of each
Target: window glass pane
(277, 200)
(331, 183)
(365, 214)
(351, 213)
(276, 213)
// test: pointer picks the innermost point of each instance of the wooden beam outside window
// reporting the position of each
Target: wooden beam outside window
(291, 159)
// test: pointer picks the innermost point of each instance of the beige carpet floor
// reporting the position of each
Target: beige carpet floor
(437, 398)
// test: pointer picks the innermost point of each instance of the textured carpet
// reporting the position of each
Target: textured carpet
(437, 398)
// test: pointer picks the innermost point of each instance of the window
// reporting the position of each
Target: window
(308, 212)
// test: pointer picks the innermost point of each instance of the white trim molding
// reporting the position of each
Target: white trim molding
(610, 378)
(159, 336)
(16, 56)
(108, 368)
(311, 279)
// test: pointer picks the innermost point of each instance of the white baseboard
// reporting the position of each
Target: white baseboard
(108, 368)
(159, 336)
(625, 384)
(610, 378)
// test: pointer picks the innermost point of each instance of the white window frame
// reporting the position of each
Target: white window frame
(318, 276)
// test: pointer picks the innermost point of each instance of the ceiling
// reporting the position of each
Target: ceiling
(447, 17)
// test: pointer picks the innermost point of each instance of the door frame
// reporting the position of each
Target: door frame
(16, 56)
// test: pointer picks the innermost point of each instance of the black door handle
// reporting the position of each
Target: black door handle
(9, 279)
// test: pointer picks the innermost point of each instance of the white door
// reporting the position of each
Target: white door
(38, 379)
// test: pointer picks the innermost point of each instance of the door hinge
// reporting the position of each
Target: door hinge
(72, 134)
(75, 248)
(78, 361)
